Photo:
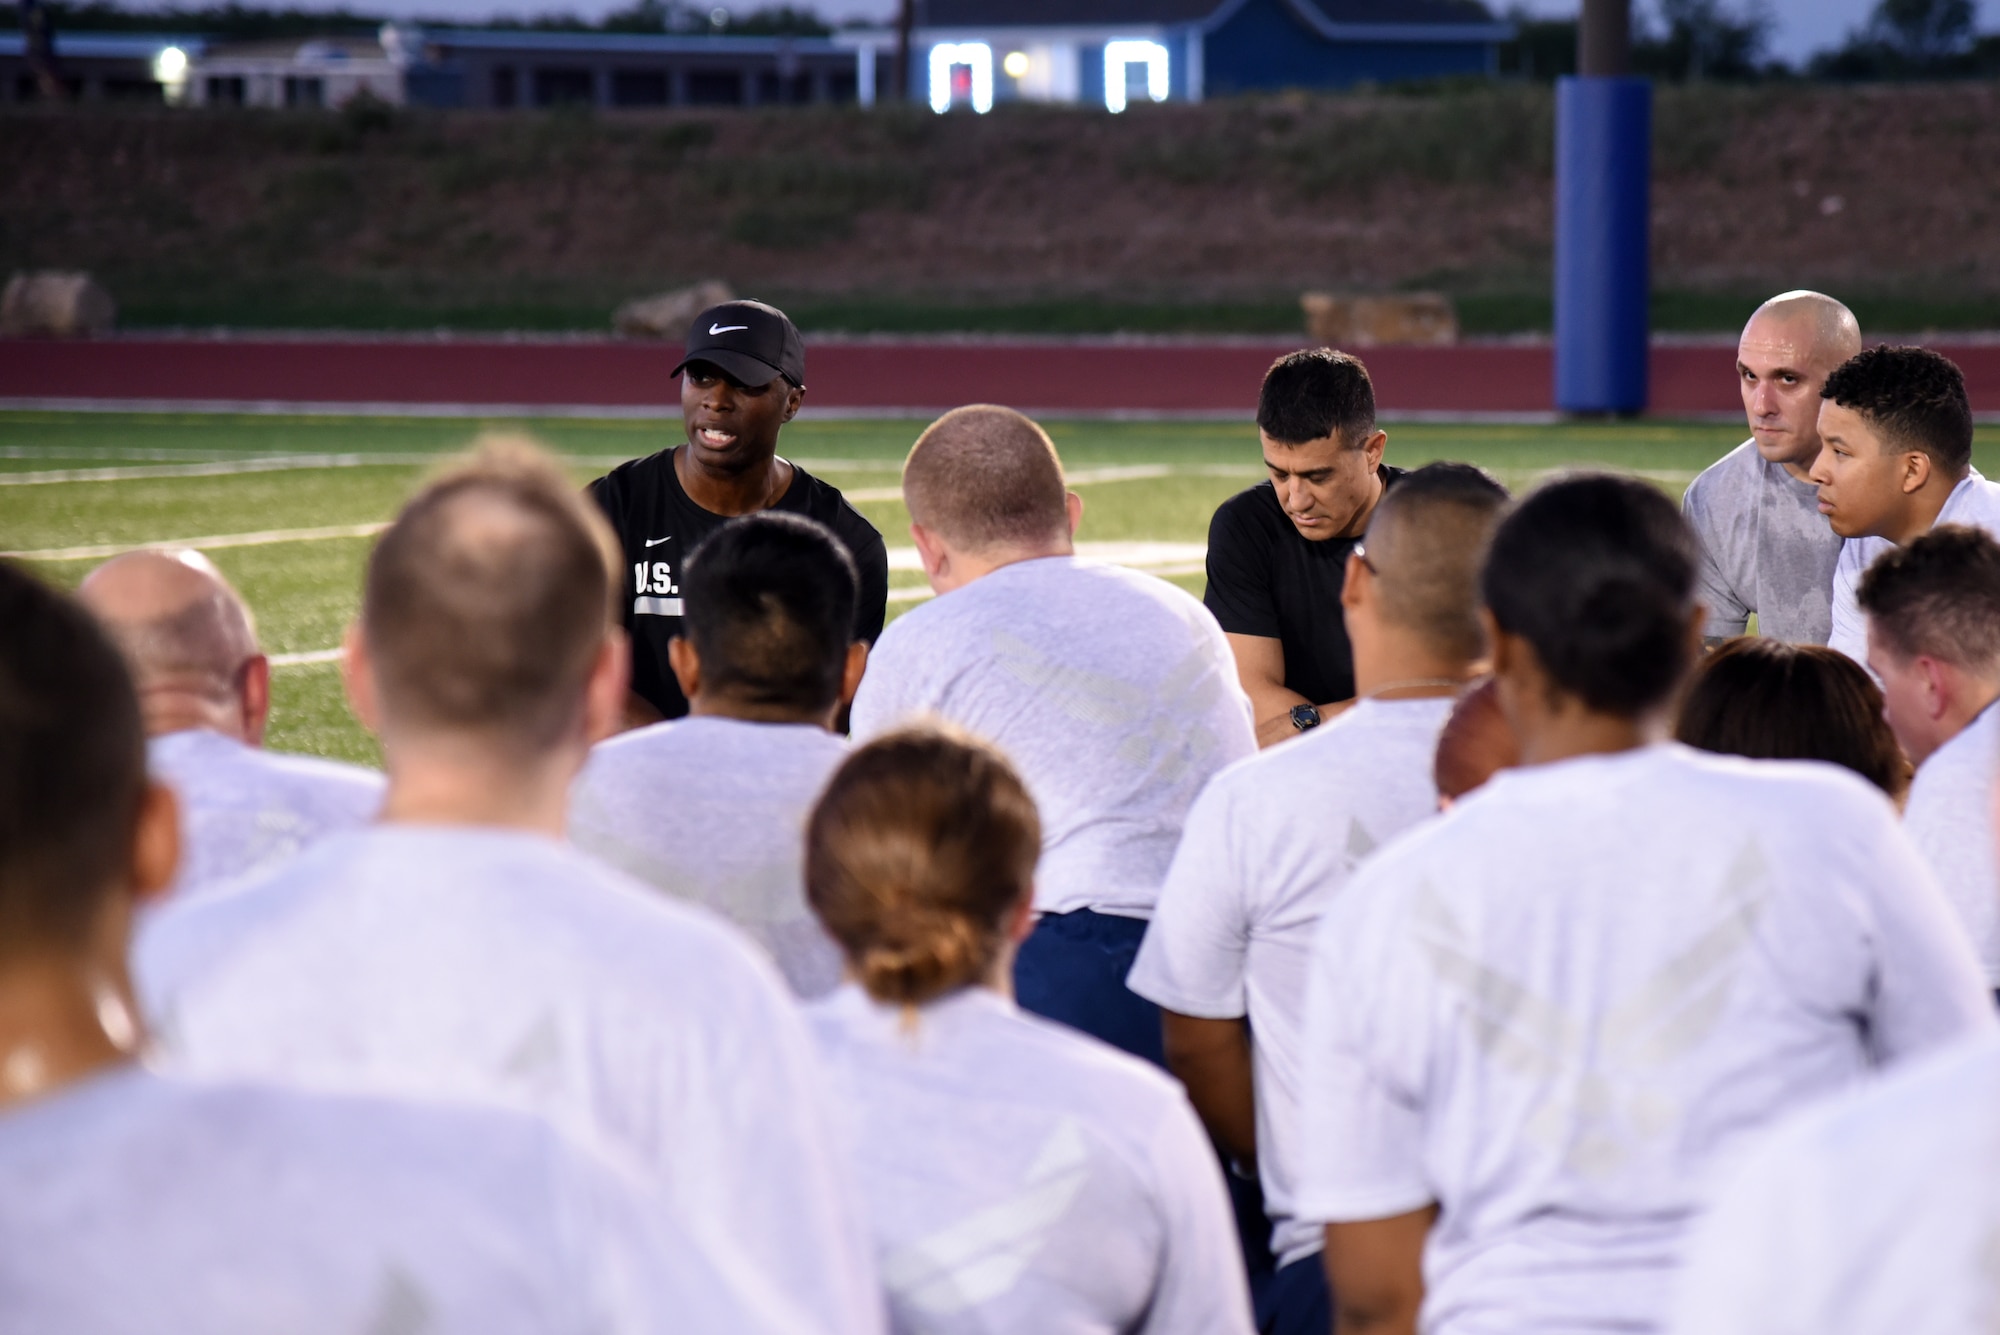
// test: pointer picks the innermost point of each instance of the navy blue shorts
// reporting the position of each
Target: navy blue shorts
(1072, 969)
(1295, 1299)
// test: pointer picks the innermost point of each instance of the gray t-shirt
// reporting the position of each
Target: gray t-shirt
(1766, 549)
(714, 810)
(246, 810)
(1114, 694)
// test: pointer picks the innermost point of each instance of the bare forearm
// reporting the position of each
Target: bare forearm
(1212, 1059)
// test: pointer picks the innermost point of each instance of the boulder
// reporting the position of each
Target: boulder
(669, 314)
(1422, 319)
(54, 304)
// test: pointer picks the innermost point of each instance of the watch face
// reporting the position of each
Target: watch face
(1305, 716)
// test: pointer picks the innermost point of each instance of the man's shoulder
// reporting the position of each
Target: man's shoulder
(1251, 513)
(821, 500)
(1730, 478)
(645, 475)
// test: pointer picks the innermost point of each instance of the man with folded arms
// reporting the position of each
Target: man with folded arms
(460, 949)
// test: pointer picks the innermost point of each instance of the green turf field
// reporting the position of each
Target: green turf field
(74, 487)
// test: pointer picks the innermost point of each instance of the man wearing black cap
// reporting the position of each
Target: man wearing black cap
(744, 378)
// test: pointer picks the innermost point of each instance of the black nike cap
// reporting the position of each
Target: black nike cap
(753, 343)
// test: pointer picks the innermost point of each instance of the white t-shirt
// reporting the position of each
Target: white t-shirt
(1871, 1215)
(1114, 694)
(1974, 502)
(504, 966)
(714, 810)
(1951, 819)
(140, 1204)
(245, 810)
(1268, 845)
(1558, 1009)
(1024, 1177)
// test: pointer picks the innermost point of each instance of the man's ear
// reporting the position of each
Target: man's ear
(1373, 447)
(156, 843)
(795, 399)
(1916, 471)
(604, 692)
(1352, 593)
(852, 672)
(1940, 687)
(1073, 503)
(255, 698)
(933, 551)
(685, 660)
(357, 674)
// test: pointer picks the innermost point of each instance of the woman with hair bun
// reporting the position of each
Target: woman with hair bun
(1541, 1027)
(1020, 1176)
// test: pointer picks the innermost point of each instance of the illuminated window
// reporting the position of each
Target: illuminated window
(1118, 55)
(975, 59)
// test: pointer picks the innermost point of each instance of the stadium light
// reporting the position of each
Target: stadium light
(1117, 55)
(1016, 64)
(978, 58)
(171, 65)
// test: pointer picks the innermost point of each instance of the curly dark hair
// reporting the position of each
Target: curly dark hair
(1315, 393)
(1913, 396)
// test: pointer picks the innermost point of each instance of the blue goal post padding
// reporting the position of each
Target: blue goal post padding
(1604, 134)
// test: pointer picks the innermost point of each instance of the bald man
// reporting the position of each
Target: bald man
(205, 688)
(1114, 693)
(1767, 550)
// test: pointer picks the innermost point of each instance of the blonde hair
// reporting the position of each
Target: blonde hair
(987, 477)
(920, 850)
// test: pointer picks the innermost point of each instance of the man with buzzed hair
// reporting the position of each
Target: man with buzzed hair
(205, 687)
(460, 949)
(138, 1201)
(712, 807)
(1113, 693)
(1766, 549)
(1272, 840)
(1933, 610)
(1896, 428)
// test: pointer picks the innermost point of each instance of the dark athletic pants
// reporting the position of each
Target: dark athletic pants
(1295, 1300)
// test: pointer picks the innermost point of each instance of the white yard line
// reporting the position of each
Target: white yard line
(308, 659)
(213, 542)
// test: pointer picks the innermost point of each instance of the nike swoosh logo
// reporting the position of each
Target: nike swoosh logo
(654, 542)
(726, 328)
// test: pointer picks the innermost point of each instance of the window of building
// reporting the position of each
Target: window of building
(639, 88)
(715, 88)
(225, 90)
(564, 86)
(304, 92)
(505, 94)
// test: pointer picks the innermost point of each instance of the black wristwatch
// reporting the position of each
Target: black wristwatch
(1305, 716)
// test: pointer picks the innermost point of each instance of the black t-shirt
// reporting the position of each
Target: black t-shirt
(658, 525)
(1266, 578)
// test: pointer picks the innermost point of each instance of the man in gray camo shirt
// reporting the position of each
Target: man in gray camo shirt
(1767, 551)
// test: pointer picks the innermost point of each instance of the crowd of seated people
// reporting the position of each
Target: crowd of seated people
(1456, 921)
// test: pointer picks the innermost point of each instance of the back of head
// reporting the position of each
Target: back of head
(1835, 335)
(1913, 397)
(1476, 743)
(1770, 700)
(1938, 597)
(1426, 542)
(72, 767)
(987, 478)
(1316, 393)
(921, 848)
(770, 608)
(180, 624)
(488, 599)
(1597, 573)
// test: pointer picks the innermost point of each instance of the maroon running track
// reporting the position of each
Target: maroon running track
(850, 376)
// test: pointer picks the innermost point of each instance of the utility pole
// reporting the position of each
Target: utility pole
(1603, 280)
(38, 38)
(905, 20)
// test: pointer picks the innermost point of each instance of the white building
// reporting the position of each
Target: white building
(321, 72)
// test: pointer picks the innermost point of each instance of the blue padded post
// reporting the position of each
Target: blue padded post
(1604, 134)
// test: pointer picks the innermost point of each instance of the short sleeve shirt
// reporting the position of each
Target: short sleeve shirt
(1974, 502)
(1265, 579)
(658, 525)
(1562, 1009)
(1765, 549)
(1950, 818)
